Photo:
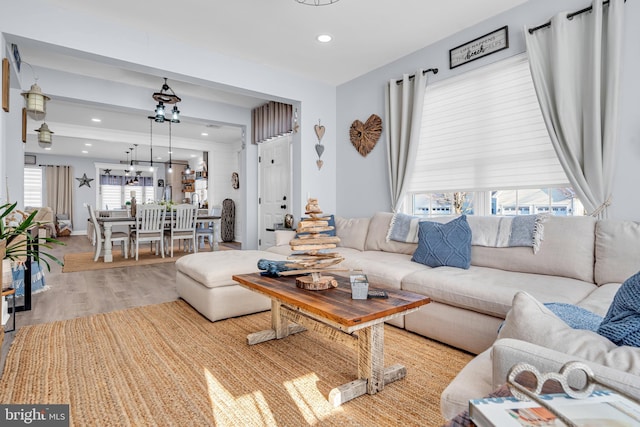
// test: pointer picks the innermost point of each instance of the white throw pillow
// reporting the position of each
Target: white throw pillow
(529, 320)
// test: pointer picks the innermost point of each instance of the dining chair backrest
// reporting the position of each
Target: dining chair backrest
(96, 226)
(150, 219)
(183, 217)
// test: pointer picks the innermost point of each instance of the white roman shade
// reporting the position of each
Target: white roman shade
(483, 130)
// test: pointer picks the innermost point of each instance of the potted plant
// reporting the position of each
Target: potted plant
(16, 234)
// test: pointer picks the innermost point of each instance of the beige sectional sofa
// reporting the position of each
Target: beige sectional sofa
(581, 261)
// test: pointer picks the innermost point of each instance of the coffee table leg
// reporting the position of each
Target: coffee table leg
(280, 327)
(371, 372)
(371, 357)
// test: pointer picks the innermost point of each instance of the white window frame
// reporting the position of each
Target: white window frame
(33, 183)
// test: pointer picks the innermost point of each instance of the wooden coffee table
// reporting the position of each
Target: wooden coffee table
(332, 312)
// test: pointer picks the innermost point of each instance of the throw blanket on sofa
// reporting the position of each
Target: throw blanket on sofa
(492, 231)
(507, 231)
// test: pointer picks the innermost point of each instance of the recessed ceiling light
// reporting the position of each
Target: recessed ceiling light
(48, 148)
(159, 158)
(324, 38)
(85, 152)
(87, 144)
(95, 119)
(169, 152)
(192, 155)
(204, 134)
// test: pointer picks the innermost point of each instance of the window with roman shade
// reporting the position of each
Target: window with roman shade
(483, 130)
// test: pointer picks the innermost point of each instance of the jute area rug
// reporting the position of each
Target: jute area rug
(167, 365)
(83, 261)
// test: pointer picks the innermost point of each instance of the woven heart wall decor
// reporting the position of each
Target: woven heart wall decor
(365, 136)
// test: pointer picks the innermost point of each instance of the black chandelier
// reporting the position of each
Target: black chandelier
(166, 96)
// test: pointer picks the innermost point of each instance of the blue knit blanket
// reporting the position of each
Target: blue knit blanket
(621, 325)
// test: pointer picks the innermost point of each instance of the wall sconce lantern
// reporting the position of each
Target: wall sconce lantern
(44, 136)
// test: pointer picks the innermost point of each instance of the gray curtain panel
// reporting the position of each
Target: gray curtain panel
(575, 65)
(403, 109)
(59, 189)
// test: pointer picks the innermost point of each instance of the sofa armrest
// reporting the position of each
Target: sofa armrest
(506, 352)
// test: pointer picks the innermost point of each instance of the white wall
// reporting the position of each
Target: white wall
(143, 52)
(362, 182)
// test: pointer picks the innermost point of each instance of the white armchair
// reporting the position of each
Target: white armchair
(532, 334)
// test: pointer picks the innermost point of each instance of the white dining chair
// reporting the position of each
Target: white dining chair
(98, 233)
(208, 228)
(149, 228)
(183, 227)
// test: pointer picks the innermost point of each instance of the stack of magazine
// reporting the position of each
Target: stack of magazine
(602, 408)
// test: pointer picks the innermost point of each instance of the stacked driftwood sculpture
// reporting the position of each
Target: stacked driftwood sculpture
(311, 250)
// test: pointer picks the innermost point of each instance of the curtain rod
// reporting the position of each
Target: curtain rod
(569, 16)
(58, 166)
(433, 70)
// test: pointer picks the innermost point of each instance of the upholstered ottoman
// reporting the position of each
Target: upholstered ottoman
(204, 281)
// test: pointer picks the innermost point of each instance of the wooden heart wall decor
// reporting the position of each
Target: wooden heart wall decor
(319, 129)
(365, 136)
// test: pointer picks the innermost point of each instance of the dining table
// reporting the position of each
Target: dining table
(108, 222)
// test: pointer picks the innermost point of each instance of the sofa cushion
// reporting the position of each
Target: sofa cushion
(377, 236)
(214, 269)
(567, 251)
(491, 291)
(599, 300)
(617, 253)
(622, 322)
(446, 244)
(352, 232)
(529, 320)
(384, 269)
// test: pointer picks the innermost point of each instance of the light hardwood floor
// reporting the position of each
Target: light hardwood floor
(72, 295)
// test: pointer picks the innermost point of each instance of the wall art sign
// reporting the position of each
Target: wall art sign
(493, 42)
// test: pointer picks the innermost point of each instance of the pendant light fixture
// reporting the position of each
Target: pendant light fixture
(36, 101)
(126, 169)
(170, 151)
(44, 136)
(166, 96)
(134, 163)
(151, 145)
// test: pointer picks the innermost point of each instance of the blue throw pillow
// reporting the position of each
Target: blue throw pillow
(446, 244)
(574, 316)
(621, 325)
(332, 223)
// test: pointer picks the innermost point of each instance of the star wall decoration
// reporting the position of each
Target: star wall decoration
(84, 181)
(107, 171)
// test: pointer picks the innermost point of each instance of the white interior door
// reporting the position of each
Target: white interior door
(275, 187)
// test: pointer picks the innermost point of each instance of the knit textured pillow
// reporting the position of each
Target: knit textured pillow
(446, 244)
(621, 325)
